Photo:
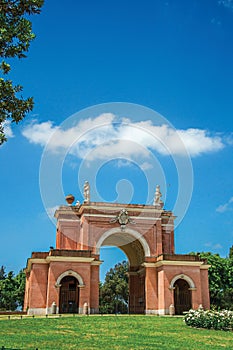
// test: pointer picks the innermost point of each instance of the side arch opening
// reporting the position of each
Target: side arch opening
(182, 286)
(69, 295)
(69, 283)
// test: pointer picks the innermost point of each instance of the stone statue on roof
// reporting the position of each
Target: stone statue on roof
(86, 192)
(157, 199)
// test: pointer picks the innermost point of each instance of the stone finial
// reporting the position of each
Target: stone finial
(69, 199)
(157, 199)
(86, 192)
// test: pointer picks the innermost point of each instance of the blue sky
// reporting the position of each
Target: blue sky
(100, 71)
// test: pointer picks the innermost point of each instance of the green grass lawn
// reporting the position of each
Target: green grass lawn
(109, 332)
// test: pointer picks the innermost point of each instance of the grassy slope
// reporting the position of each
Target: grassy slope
(109, 332)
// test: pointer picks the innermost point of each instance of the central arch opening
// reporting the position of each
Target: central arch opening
(134, 251)
(114, 287)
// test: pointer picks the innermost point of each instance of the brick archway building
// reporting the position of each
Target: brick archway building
(68, 276)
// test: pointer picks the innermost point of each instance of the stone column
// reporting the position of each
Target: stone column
(52, 289)
(133, 292)
(159, 238)
(37, 288)
(161, 294)
(94, 299)
(194, 298)
(151, 288)
(205, 287)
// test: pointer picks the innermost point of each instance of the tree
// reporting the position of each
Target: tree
(231, 253)
(229, 294)
(220, 279)
(11, 290)
(15, 38)
(2, 273)
(7, 290)
(2, 277)
(20, 280)
(217, 278)
(114, 292)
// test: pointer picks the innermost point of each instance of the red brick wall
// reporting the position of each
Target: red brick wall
(37, 292)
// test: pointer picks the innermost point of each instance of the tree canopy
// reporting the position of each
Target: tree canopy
(114, 292)
(220, 279)
(11, 290)
(15, 38)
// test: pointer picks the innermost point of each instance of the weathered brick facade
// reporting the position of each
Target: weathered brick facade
(66, 279)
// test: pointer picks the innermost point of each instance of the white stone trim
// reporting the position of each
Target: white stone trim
(132, 273)
(49, 310)
(205, 267)
(97, 263)
(68, 220)
(113, 216)
(157, 312)
(59, 258)
(143, 208)
(70, 273)
(149, 264)
(36, 311)
(178, 263)
(34, 261)
(173, 263)
(151, 312)
(129, 231)
(69, 259)
(183, 277)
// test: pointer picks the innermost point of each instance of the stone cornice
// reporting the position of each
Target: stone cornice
(69, 259)
(176, 263)
(34, 261)
(96, 263)
(49, 259)
(113, 216)
(205, 267)
(114, 207)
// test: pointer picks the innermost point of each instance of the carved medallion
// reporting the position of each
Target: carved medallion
(123, 219)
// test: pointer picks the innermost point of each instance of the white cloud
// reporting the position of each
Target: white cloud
(105, 136)
(229, 140)
(199, 141)
(7, 129)
(213, 245)
(121, 163)
(88, 131)
(228, 206)
(226, 3)
(146, 166)
(39, 133)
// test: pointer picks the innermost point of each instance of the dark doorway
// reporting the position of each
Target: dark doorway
(69, 295)
(182, 297)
